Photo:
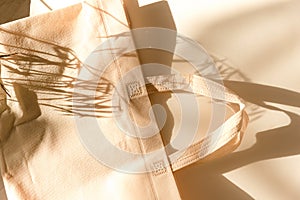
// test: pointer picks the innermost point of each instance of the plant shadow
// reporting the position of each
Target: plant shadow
(206, 180)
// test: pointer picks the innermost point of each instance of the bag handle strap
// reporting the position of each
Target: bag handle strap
(221, 141)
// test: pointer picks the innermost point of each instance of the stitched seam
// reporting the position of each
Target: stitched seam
(129, 110)
(181, 161)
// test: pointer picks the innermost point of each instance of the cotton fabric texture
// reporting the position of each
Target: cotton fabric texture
(42, 156)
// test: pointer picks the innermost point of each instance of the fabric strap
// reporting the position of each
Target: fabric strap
(45, 68)
(229, 133)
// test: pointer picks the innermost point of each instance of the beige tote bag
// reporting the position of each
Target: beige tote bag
(70, 129)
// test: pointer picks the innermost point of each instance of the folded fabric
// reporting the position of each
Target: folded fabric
(42, 155)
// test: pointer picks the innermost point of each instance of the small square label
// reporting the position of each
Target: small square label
(134, 89)
(159, 168)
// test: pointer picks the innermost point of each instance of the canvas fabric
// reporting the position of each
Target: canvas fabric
(42, 155)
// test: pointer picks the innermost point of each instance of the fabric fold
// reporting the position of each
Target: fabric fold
(43, 155)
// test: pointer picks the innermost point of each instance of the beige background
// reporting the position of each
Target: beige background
(259, 41)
